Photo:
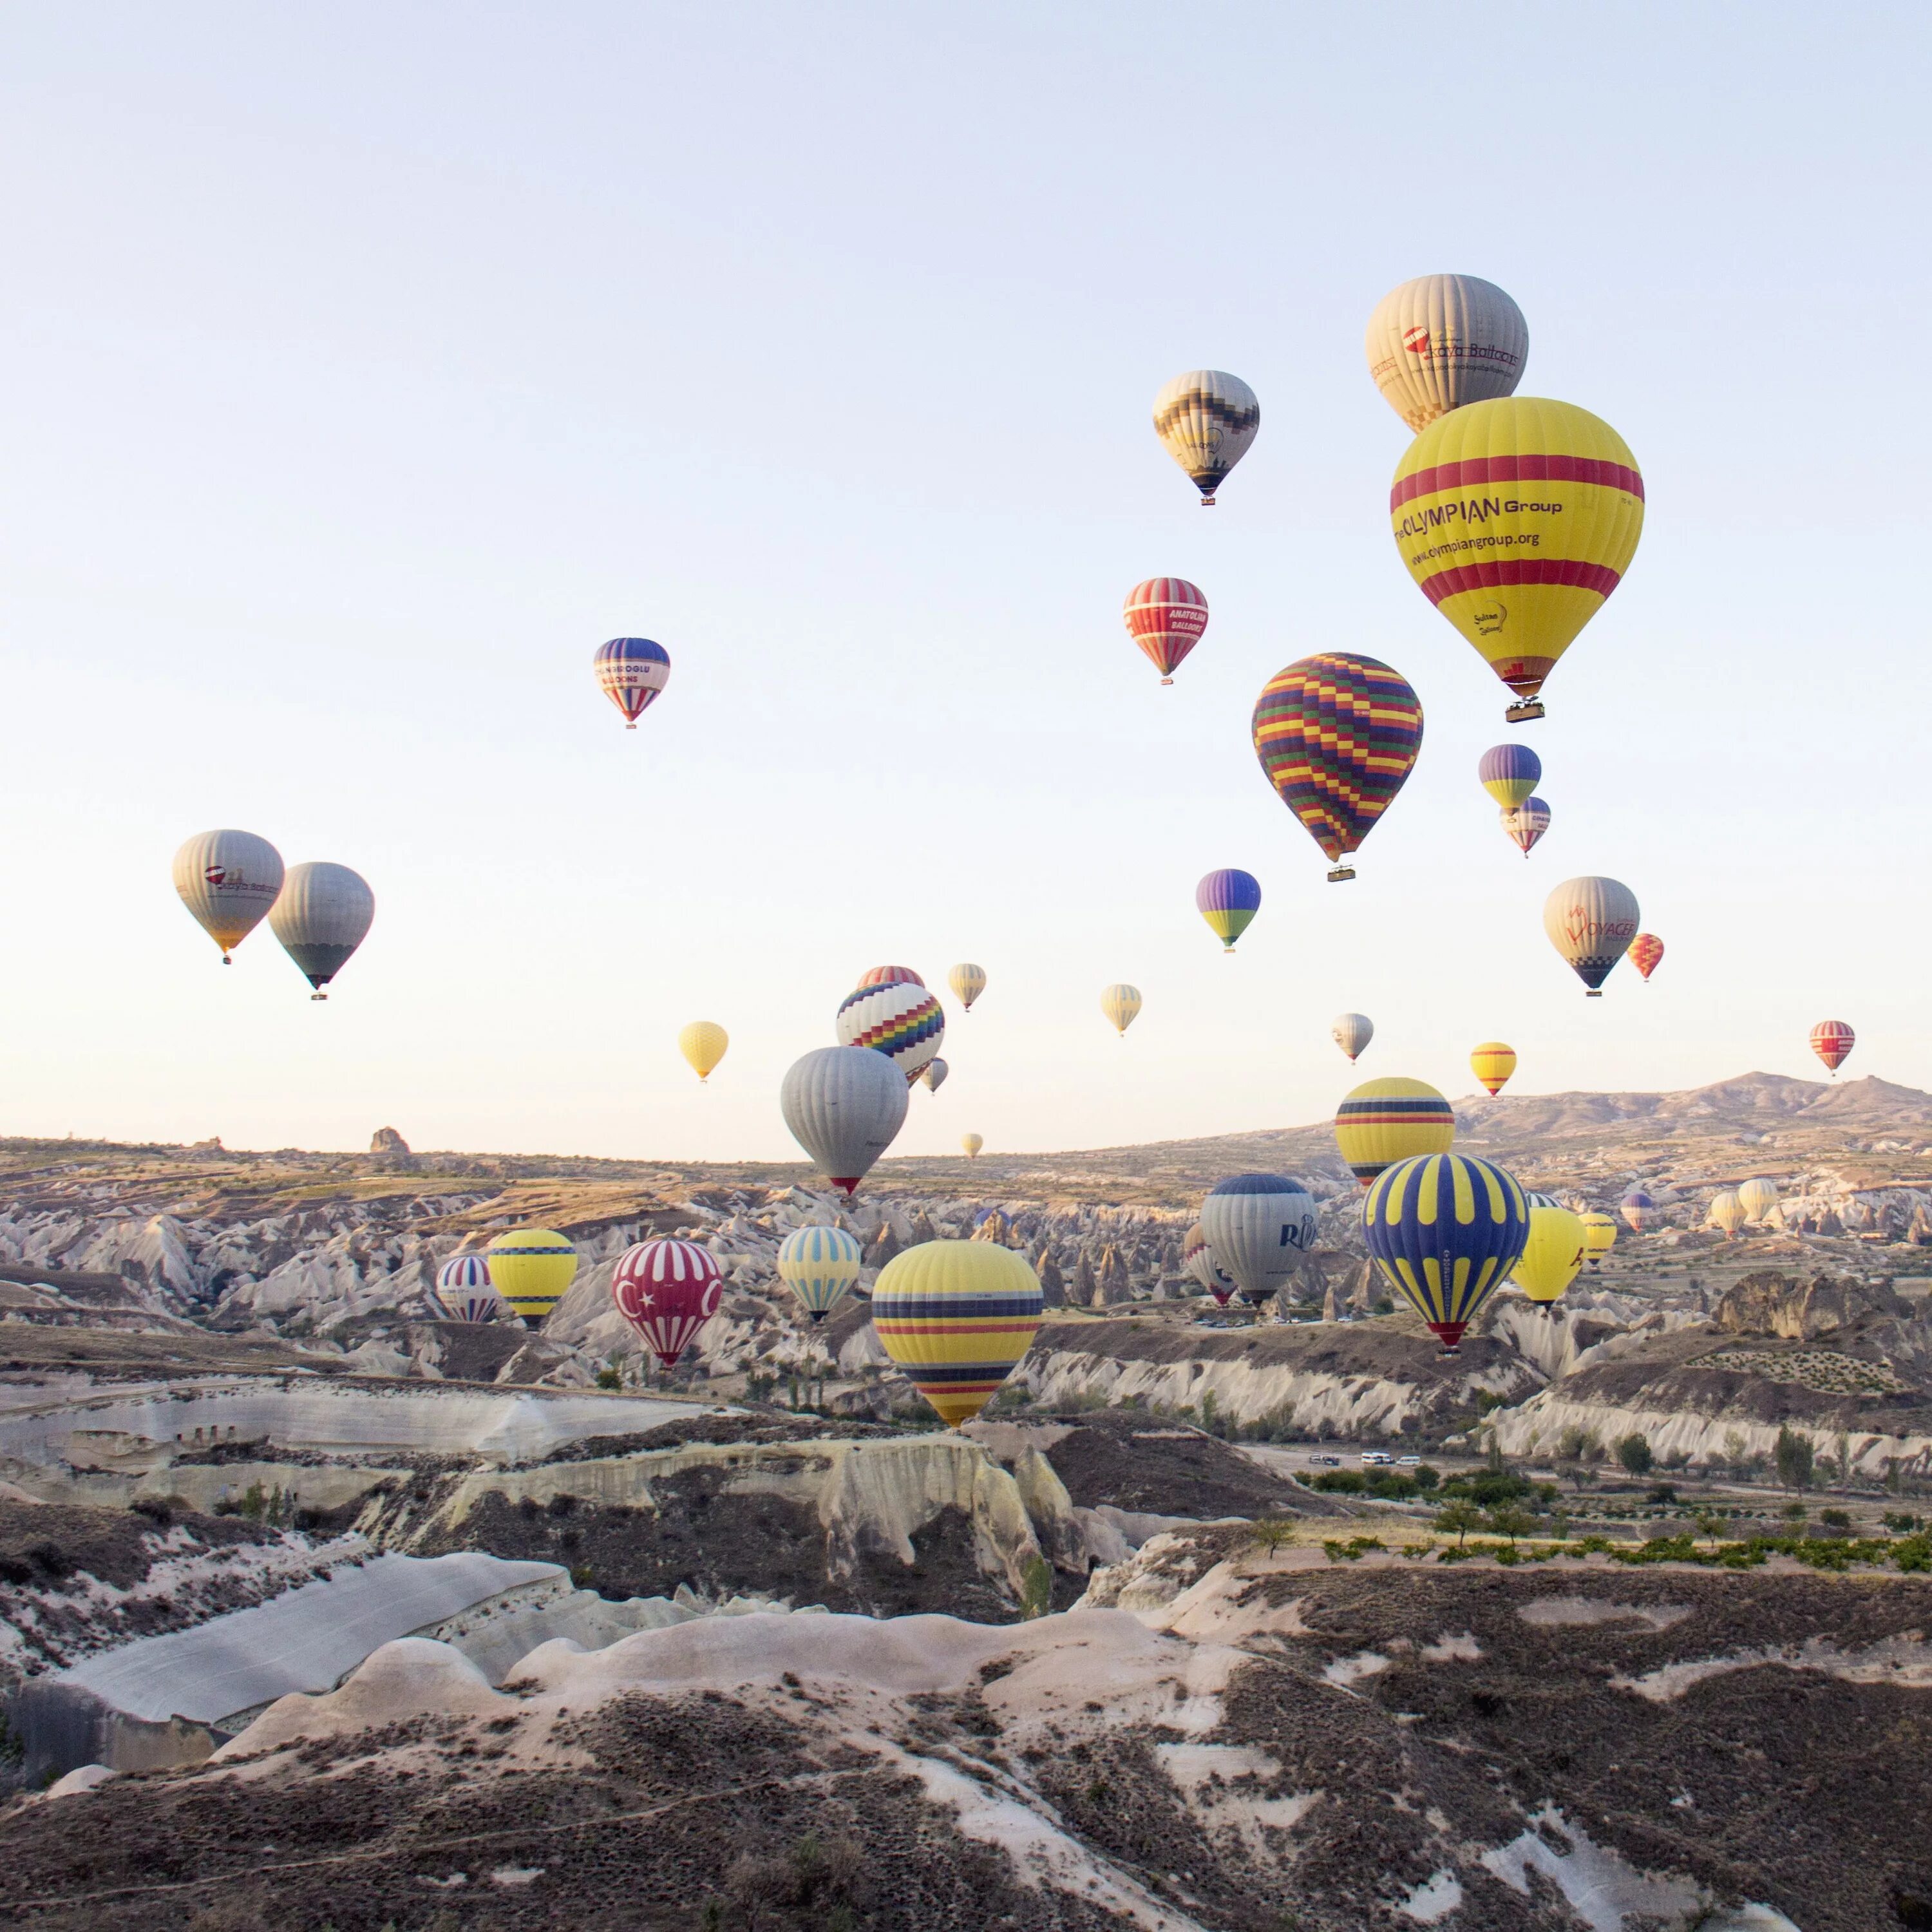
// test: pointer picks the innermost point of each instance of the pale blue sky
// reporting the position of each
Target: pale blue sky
(367, 367)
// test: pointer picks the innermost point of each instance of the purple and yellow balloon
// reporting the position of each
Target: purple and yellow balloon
(1228, 900)
(1509, 773)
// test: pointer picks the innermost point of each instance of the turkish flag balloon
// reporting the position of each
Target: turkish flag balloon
(667, 1291)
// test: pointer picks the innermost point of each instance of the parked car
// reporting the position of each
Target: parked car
(1377, 1457)
(1409, 1462)
(1330, 1461)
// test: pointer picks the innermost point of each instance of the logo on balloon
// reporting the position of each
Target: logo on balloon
(1416, 340)
(1299, 1234)
(1491, 618)
(214, 875)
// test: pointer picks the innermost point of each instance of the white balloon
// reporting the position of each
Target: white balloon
(324, 913)
(1261, 1227)
(1351, 1032)
(844, 1105)
(1440, 341)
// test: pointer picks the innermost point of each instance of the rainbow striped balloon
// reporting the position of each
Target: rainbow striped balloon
(902, 1021)
(1445, 1229)
(819, 1265)
(1337, 736)
(956, 1316)
(1384, 1121)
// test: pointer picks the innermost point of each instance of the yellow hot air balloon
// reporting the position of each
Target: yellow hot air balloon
(967, 981)
(1516, 517)
(1727, 1211)
(530, 1268)
(1552, 1256)
(1492, 1063)
(1758, 1198)
(702, 1043)
(1384, 1121)
(1120, 1003)
(955, 1316)
(972, 1143)
(1599, 1236)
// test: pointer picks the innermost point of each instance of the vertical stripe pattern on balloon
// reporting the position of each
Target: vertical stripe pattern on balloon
(1444, 1230)
(666, 1290)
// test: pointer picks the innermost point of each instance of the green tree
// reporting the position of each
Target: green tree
(1458, 1517)
(1036, 1587)
(1633, 1453)
(1793, 1456)
(1270, 1532)
(1710, 1526)
(1510, 1522)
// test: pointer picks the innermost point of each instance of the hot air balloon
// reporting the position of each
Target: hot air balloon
(1727, 1211)
(1492, 1063)
(1119, 1002)
(666, 1290)
(1384, 1121)
(1591, 922)
(955, 1316)
(530, 1268)
(631, 672)
(1599, 1236)
(463, 1286)
(1351, 1032)
(843, 1104)
(1636, 1208)
(1261, 1227)
(1197, 1259)
(1517, 518)
(1553, 1253)
(1831, 1041)
(1441, 342)
(323, 914)
(1509, 773)
(889, 976)
(1228, 900)
(1646, 950)
(1165, 616)
(1337, 735)
(935, 1075)
(1757, 1198)
(1526, 823)
(967, 981)
(972, 1143)
(1205, 420)
(228, 880)
(1445, 1229)
(903, 1021)
(702, 1043)
(819, 1265)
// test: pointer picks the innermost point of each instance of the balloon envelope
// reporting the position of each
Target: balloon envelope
(1757, 1198)
(1337, 735)
(955, 1316)
(903, 1021)
(1637, 1209)
(1445, 1229)
(1441, 342)
(1197, 1259)
(1526, 823)
(666, 1290)
(1119, 1002)
(1165, 616)
(631, 672)
(1351, 1032)
(1492, 1063)
(967, 981)
(819, 1265)
(1552, 1254)
(935, 1075)
(1646, 950)
(843, 1104)
(703, 1044)
(1831, 1041)
(1261, 1227)
(972, 1143)
(530, 1268)
(1591, 922)
(1727, 1211)
(1387, 1120)
(228, 880)
(1228, 900)
(1599, 1236)
(1509, 773)
(463, 1286)
(324, 913)
(1517, 518)
(890, 976)
(1206, 420)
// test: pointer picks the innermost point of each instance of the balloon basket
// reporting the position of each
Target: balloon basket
(318, 996)
(1167, 680)
(1523, 713)
(1339, 873)
(1208, 503)
(1593, 993)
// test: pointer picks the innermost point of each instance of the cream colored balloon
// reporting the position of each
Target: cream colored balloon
(703, 1043)
(1120, 1003)
(1727, 1211)
(1440, 341)
(1591, 922)
(1351, 1032)
(228, 880)
(1206, 420)
(972, 1143)
(967, 981)
(1757, 1198)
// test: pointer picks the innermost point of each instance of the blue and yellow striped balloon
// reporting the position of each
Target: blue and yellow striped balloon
(955, 1316)
(819, 1265)
(1445, 1229)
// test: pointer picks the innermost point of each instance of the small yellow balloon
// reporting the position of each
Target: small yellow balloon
(1492, 1063)
(530, 1268)
(972, 1143)
(702, 1043)
(1120, 1003)
(1551, 1256)
(1599, 1236)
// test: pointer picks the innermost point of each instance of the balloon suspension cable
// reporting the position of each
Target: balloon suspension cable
(1523, 713)
(1339, 873)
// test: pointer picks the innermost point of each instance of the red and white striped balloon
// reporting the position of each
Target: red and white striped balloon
(1832, 1041)
(666, 1290)
(1165, 616)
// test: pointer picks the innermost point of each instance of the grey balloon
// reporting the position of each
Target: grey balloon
(323, 914)
(1261, 1228)
(843, 1104)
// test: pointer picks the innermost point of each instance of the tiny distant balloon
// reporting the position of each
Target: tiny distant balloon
(1591, 922)
(967, 981)
(1445, 1230)
(935, 1075)
(1527, 823)
(1351, 1032)
(1390, 1120)
(1441, 342)
(1492, 1063)
(819, 1265)
(1205, 420)
(1599, 1236)
(1509, 773)
(1638, 1209)
(1121, 1003)
(228, 880)
(1228, 900)
(972, 1143)
(631, 672)
(956, 1316)
(463, 1286)
(323, 914)
(666, 1290)
(1832, 1041)
(1646, 950)
(530, 1268)
(702, 1043)
(1165, 616)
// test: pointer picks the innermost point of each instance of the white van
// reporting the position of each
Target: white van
(1376, 1458)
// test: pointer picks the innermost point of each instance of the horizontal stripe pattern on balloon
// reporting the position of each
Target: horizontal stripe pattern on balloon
(1444, 1230)
(902, 1021)
(1165, 616)
(1386, 1121)
(955, 1316)
(531, 1267)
